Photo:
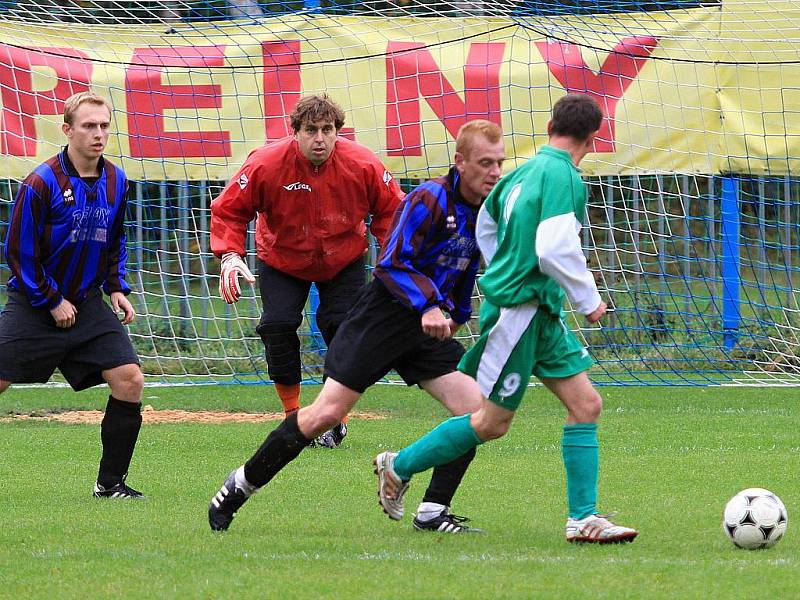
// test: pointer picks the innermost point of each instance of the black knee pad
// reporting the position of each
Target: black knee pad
(282, 351)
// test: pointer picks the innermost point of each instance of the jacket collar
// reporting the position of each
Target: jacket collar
(454, 177)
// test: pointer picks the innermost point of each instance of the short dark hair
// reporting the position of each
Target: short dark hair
(576, 116)
(318, 107)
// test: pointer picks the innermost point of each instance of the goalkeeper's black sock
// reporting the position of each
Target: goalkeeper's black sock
(281, 447)
(446, 478)
(119, 431)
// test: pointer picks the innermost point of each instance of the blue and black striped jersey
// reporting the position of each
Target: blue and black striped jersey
(432, 258)
(66, 234)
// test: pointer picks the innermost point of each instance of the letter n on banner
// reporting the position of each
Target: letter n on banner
(148, 98)
(619, 69)
(282, 85)
(412, 72)
(22, 104)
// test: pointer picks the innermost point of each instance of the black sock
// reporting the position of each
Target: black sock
(281, 447)
(446, 478)
(119, 431)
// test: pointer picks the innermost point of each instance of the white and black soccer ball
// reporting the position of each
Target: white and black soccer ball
(755, 518)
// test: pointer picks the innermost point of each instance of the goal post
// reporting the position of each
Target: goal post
(693, 183)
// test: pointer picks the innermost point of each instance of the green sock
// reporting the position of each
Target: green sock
(582, 463)
(447, 442)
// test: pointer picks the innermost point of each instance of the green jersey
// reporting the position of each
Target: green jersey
(528, 231)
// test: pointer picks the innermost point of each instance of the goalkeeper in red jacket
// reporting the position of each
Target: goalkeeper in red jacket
(311, 194)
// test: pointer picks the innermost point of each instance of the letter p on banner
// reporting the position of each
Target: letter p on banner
(22, 104)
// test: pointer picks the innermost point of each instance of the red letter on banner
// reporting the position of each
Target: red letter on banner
(281, 85)
(411, 72)
(282, 88)
(148, 98)
(21, 104)
(619, 70)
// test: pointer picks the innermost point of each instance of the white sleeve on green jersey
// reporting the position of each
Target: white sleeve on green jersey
(558, 248)
(486, 234)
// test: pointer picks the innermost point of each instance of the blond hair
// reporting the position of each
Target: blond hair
(72, 103)
(471, 129)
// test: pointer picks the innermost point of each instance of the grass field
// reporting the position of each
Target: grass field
(670, 459)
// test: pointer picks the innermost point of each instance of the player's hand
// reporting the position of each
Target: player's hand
(598, 313)
(436, 325)
(120, 302)
(231, 267)
(454, 327)
(64, 314)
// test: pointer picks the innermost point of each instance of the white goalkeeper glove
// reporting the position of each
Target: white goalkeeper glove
(231, 267)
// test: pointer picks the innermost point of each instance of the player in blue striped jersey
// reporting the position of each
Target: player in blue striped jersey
(66, 242)
(425, 266)
(400, 321)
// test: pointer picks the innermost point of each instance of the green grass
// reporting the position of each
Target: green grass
(671, 458)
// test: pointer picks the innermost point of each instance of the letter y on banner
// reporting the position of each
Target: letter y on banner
(608, 86)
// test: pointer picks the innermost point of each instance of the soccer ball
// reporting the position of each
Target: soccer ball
(754, 518)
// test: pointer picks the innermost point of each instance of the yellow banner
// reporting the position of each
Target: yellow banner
(191, 103)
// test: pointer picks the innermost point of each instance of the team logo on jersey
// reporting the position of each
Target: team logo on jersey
(243, 181)
(510, 385)
(457, 252)
(90, 224)
(387, 177)
(69, 198)
(297, 186)
(450, 222)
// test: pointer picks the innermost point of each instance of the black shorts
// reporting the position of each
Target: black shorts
(380, 334)
(32, 347)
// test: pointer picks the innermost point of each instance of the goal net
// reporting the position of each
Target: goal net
(693, 209)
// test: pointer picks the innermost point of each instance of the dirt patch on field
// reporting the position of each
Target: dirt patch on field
(153, 416)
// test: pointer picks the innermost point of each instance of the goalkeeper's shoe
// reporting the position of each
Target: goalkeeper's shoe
(445, 522)
(333, 437)
(597, 529)
(120, 490)
(391, 488)
(225, 503)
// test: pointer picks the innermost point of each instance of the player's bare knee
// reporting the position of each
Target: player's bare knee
(588, 410)
(593, 407)
(490, 430)
(135, 383)
(319, 418)
(126, 383)
(4, 385)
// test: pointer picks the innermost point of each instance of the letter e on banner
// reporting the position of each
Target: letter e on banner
(148, 98)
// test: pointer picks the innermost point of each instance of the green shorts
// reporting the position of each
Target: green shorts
(516, 342)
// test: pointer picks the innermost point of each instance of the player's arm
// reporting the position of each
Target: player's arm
(115, 284)
(117, 263)
(23, 247)
(231, 212)
(411, 287)
(462, 294)
(385, 199)
(486, 233)
(559, 250)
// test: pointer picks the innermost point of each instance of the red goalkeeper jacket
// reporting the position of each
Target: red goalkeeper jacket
(311, 220)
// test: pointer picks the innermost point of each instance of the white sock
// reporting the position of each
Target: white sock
(242, 483)
(430, 510)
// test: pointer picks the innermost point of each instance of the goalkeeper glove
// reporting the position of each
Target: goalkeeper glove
(231, 267)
